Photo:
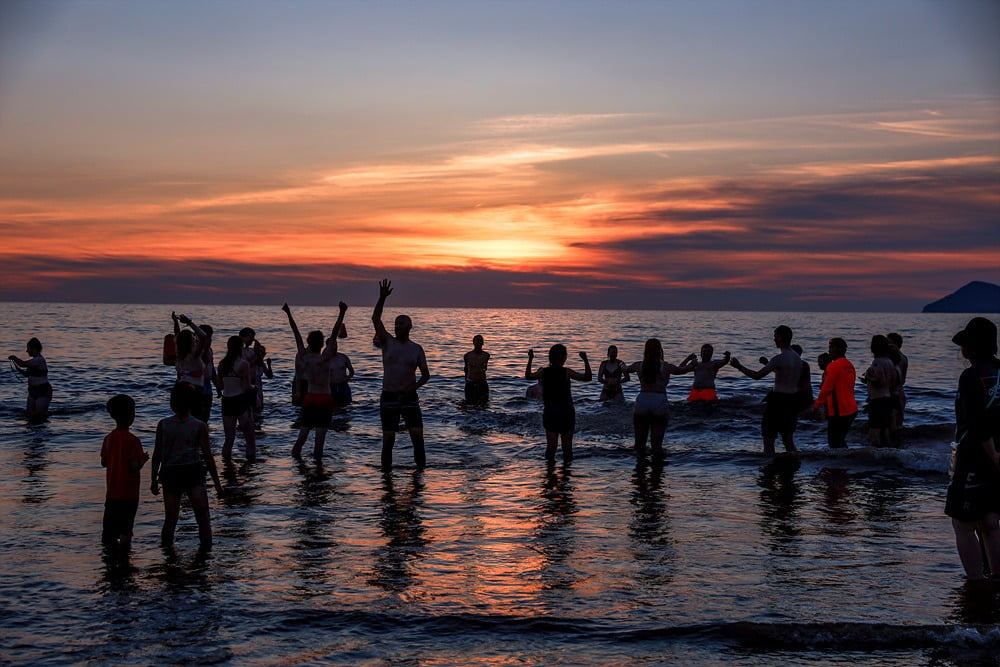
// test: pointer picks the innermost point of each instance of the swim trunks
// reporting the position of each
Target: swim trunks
(317, 410)
(477, 391)
(702, 395)
(880, 412)
(119, 518)
(393, 404)
(780, 414)
(40, 390)
(559, 418)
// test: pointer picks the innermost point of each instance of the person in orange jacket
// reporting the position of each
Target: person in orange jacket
(836, 395)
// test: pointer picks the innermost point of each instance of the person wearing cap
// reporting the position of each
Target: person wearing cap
(973, 500)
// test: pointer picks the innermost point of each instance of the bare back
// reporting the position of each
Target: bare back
(400, 361)
(787, 368)
(314, 368)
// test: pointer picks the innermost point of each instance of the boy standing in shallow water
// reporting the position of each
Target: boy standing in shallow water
(123, 456)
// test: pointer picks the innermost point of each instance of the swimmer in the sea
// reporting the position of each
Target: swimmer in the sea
(611, 373)
(558, 413)
(705, 371)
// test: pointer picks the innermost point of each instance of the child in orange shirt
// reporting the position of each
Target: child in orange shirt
(123, 456)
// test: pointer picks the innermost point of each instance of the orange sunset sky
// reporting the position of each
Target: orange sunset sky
(737, 155)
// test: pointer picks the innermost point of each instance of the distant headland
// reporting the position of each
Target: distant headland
(975, 297)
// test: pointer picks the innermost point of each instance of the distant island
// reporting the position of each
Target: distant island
(975, 297)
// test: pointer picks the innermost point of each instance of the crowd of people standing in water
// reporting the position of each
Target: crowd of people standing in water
(320, 387)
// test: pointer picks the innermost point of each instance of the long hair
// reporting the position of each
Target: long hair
(652, 360)
(234, 352)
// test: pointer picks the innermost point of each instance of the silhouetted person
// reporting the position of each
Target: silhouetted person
(705, 371)
(235, 376)
(805, 391)
(902, 368)
(836, 394)
(180, 457)
(973, 501)
(341, 373)
(558, 413)
(611, 373)
(123, 457)
(299, 386)
(401, 358)
(313, 365)
(477, 389)
(37, 371)
(880, 378)
(190, 364)
(782, 409)
(651, 411)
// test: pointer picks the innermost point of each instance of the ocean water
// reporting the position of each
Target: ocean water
(488, 556)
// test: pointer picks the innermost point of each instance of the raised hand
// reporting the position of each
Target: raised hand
(285, 308)
(384, 288)
(343, 306)
(583, 355)
(531, 354)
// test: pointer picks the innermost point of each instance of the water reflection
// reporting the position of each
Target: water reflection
(779, 506)
(554, 535)
(403, 528)
(838, 508)
(35, 462)
(313, 546)
(885, 501)
(649, 528)
(976, 603)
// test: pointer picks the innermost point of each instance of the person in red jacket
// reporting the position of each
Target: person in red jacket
(836, 395)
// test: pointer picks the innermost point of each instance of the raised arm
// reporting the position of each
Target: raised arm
(299, 343)
(528, 373)
(587, 375)
(384, 290)
(177, 324)
(686, 366)
(199, 335)
(331, 343)
(756, 375)
(724, 361)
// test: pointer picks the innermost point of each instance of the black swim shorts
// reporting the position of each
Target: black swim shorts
(394, 404)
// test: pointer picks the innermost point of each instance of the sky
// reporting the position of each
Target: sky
(738, 155)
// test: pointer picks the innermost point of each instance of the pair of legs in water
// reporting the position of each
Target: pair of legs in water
(975, 539)
(172, 509)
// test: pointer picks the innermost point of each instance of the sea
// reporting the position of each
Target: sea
(489, 556)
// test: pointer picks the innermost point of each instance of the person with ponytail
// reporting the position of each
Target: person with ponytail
(651, 412)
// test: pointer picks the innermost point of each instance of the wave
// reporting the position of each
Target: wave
(840, 636)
